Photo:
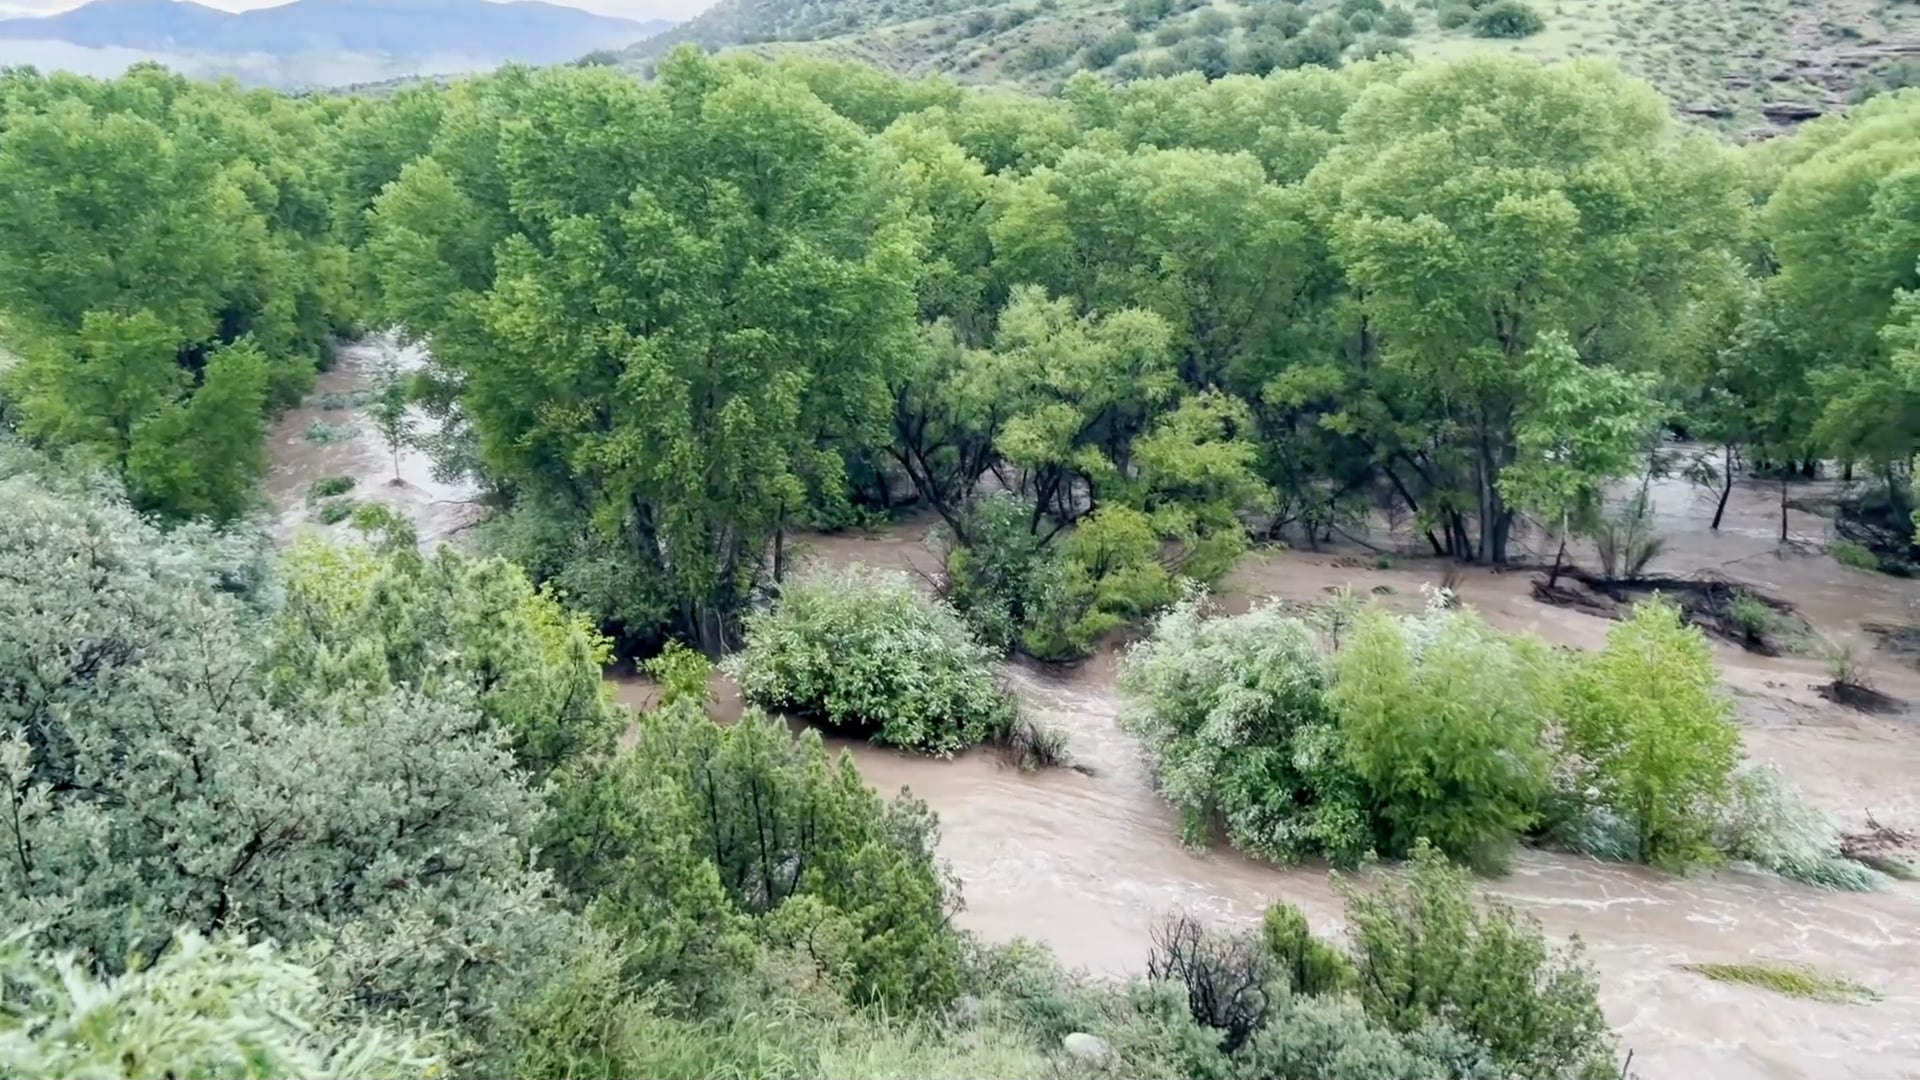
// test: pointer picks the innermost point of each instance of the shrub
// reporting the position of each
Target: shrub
(1454, 16)
(1206, 55)
(1334, 1039)
(1647, 713)
(1350, 8)
(1106, 575)
(1039, 56)
(989, 579)
(700, 831)
(1507, 19)
(1374, 46)
(172, 791)
(1312, 49)
(1360, 22)
(1226, 975)
(1107, 49)
(224, 1009)
(1625, 541)
(1306, 964)
(328, 486)
(1427, 953)
(1234, 713)
(1031, 746)
(1142, 14)
(1442, 719)
(1397, 21)
(324, 434)
(1210, 22)
(866, 651)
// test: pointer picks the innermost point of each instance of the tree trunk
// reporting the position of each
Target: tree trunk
(1726, 488)
(1502, 531)
(780, 551)
(1783, 504)
(1553, 575)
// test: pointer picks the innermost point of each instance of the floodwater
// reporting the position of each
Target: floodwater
(1086, 863)
(403, 482)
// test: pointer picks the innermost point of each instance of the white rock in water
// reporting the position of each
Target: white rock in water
(1085, 1047)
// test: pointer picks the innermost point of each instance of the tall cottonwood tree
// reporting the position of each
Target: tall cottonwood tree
(1842, 225)
(1475, 207)
(665, 306)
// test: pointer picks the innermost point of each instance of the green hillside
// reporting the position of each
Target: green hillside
(1739, 64)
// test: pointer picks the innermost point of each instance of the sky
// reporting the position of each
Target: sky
(632, 9)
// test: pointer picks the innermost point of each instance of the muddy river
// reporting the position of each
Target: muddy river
(1085, 863)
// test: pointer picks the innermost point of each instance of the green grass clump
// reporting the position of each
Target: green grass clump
(1848, 553)
(325, 434)
(1751, 617)
(1793, 980)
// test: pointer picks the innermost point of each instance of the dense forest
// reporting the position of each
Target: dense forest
(1110, 339)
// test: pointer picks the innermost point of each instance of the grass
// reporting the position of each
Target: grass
(335, 510)
(1847, 553)
(337, 399)
(1793, 980)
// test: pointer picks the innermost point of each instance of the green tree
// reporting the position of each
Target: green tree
(158, 224)
(392, 409)
(1848, 184)
(1648, 716)
(1442, 719)
(646, 296)
(1475, 207)
(206, 458)
(800, 850)
(1582, 429)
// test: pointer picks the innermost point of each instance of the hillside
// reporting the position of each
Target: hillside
(352, 35)
(1738, 64)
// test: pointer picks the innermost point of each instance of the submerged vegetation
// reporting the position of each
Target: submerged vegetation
(1384, 732)
(1791, 980)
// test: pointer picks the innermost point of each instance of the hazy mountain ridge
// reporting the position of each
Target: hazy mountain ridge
(387, 37)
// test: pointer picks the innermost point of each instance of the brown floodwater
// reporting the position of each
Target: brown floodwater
(438, 509)
(1086, 863)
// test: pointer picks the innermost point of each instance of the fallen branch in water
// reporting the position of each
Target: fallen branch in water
(1880, 847)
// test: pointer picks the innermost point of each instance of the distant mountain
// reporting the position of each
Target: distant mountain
(390, 30)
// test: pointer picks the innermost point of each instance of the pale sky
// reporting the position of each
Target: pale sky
(632, 9)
